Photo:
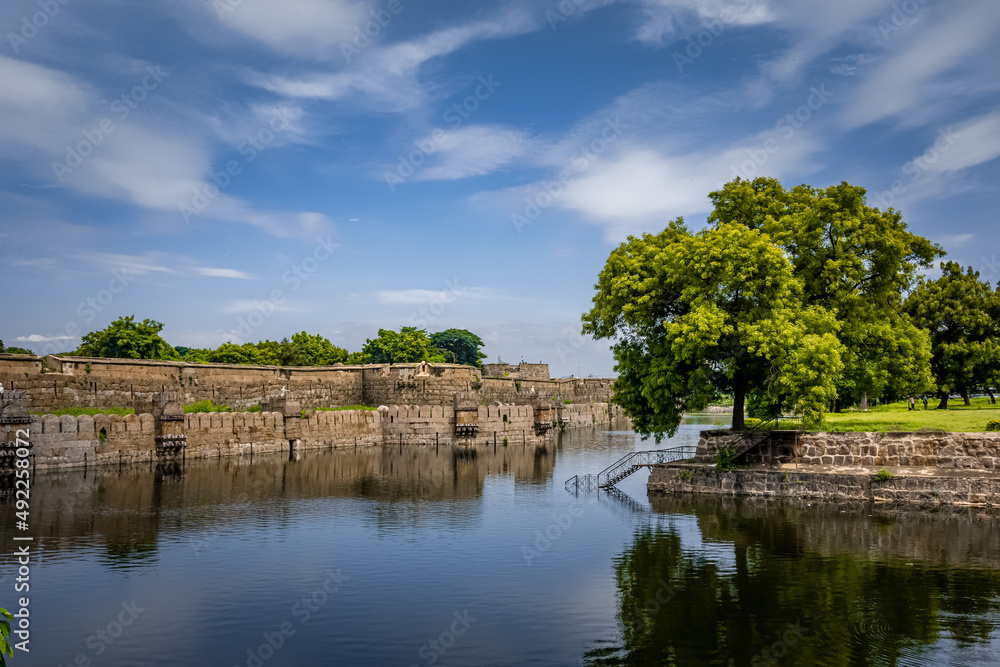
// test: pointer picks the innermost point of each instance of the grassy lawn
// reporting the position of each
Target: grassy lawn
(958, 418)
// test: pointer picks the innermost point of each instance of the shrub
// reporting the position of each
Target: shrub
(205, 406)
(685, 474)
(752, 422)
(883, 475)
(726, 460)
(993, 425)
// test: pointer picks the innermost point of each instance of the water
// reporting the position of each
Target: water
(367, 557)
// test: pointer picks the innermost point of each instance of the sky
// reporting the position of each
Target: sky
(246, 169)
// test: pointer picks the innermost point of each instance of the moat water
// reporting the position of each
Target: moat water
(478, 556)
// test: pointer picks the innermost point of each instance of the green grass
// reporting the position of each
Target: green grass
(76, 412)
(958, 418)
(338, 409)
(205, 406)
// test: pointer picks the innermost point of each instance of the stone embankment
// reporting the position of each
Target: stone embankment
(924, 468)
(113, 439)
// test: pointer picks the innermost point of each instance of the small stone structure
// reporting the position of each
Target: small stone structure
(925, 467)
(466, 415)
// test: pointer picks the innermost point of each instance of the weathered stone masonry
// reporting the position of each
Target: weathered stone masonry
(928, 468)
(56, 382)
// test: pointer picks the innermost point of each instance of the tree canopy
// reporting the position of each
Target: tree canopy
(962, 315)
(790, 299)
(461, 346)
(695, 315)
(13, 350)
(127, 339)
(407, 345)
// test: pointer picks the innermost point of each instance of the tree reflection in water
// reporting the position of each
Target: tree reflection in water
(772, 584)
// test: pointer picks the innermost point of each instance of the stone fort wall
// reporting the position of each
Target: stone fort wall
(113, 439)
(55, 382)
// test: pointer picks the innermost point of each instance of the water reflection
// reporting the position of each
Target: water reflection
(807, 585)
(126, 508)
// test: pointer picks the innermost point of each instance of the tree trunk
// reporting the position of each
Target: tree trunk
(965, 397)
(739, 398)
(864, 402)
(943, 405)
(993, 399)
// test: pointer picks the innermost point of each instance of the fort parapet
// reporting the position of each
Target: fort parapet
(56, 382)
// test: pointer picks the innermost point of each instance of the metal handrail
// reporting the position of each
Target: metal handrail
(627, 465)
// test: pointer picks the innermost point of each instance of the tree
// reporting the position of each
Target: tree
(462, 345)
(855, 261)
(317, 350)
(694, 315)
(961, 313)
(13, 350)
(127, 339)
(406, 346)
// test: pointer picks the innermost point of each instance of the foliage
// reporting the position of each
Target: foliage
(13, 350)
(993, 425)
(853, 260)
(127, 339)
(461, 346)
(961, 314)
(317, 350)
(720, 311)
(408, 345)
(6, 648)
(753, 422)
(205, 405)
(883, 475)
(726, 459)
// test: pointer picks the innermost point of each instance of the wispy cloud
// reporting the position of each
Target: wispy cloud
(423, 296)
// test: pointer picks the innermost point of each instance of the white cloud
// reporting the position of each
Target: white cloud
(664, 20)
(975, 141)
(914, 76)
(475, 150)
(303, 28)
(424, 296)
(954, 241)
(224, 273)
(386, 77)
(38, 338)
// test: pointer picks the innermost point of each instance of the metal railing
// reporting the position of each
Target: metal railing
(627, 465)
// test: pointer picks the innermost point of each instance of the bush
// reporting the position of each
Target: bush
(76, 412)
(993, 425)
(752, 422)
(883, 475)
(726, 460)
(205, 406)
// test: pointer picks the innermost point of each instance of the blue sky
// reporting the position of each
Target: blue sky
(241, 170)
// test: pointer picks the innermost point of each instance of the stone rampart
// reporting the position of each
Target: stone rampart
(978, 451)
(113, 439)
(925, 490)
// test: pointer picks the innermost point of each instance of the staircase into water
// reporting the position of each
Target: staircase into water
(625, 466)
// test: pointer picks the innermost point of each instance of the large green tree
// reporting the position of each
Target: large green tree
(461, 346)
(853, 260)
(127, 339)
(407, 345)
(962, 314)
(694, 315)
(13, 350)
(318, 350)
